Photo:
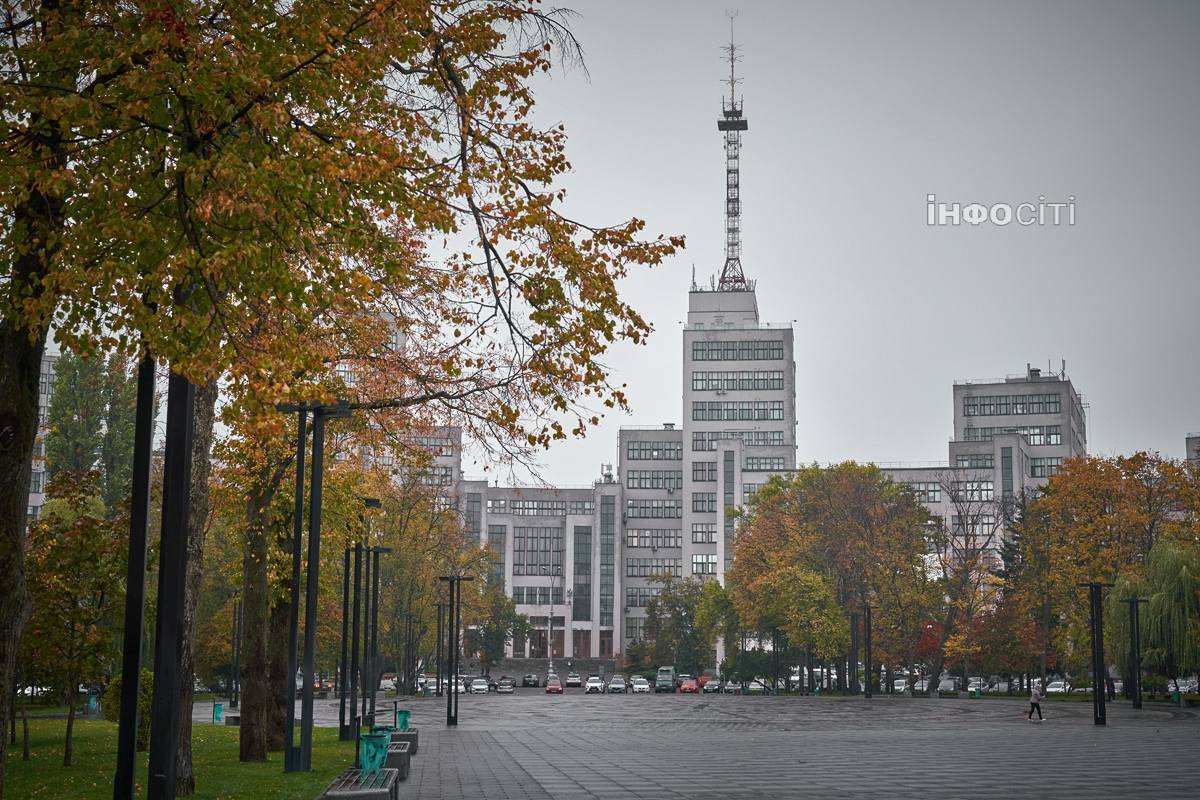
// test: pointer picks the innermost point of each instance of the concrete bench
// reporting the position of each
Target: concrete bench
(233, 719)
(398, 758)
(353, 784)
(409, 736)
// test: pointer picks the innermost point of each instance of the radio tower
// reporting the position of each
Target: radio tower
(732, 123)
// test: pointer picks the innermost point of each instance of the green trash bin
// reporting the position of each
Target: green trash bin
(975, 693)
(218, 712)
(373, 751)
(402, 717)
(1175, 697)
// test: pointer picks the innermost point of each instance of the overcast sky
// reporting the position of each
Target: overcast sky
(857, 112)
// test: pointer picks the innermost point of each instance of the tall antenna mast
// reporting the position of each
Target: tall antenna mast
(732, 124)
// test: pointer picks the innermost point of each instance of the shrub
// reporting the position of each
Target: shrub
(112, 705)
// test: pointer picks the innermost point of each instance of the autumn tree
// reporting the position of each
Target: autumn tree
(673, 634)
(76, 567)
(169, 173)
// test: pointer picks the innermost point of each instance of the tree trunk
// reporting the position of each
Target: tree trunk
(283, 690)
(72, 691)
(204, 414)
(938, 657)
(20, 368)
(256, 606)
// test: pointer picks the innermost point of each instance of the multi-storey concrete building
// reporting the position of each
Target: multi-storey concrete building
(37, 481)
(1192, 448)
(1010, 436)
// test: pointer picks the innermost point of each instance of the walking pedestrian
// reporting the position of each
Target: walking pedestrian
(1035, 702)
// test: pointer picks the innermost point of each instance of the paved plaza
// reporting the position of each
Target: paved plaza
(722, 746)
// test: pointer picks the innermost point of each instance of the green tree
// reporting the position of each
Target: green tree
(75, 419)
(672, 632)
(498, 625)
(76, 568)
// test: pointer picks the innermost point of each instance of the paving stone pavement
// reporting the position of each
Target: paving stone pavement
(711, 747)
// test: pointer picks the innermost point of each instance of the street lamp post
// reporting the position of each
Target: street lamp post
(455, 608)
(441, 611)
(289, 727)
(867, 665)
(1133, 681)
(1096, 606)
(354, 664)
(343, 667)
(235, 668)
(301, 761)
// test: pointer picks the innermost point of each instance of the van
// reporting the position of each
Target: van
(664, 681)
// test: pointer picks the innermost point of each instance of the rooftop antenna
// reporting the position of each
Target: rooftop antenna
(732, 124)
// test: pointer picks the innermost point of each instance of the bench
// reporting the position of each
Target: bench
(354, 784)
(398, 758)
(233, 719)
(409, 736)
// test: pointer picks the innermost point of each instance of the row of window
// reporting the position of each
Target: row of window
(707, 440)
(653, 537)
(640, 597)
(437, 475)
(538, 595)
(537, 551)
(654, 479)
(650, 567)
(971, 491)
(1044, 467)
(654, 509)
(704, 502)
(758, 380)
(926, 491)
(654, 451)
(765, 463)
(540, 508)
(749, 489)
(717, 410)
(635, 628)
(704, 564)
(1034, 434)
(704, 532)
(976, 524)
(975, 461)
(1006, 404)
(704, 471)
(747, 350)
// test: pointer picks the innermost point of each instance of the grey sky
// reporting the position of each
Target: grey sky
(859, 110)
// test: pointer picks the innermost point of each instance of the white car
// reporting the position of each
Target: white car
(617, 685)
(639, 685)
(479, 686)
(388, 684)
(1057, 687)
(594, 684)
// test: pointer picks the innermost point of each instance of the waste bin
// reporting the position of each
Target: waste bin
(373, 751)
(402, 717)
(1175, 696)
(975, 693)
(218, 712)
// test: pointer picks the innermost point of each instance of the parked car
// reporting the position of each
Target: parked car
(388, 684)
(530, 680)
(553, 685)
(594, 685)
(689, 686)
(712, 685)
(757, 686)
(948, 685)
(617, 685)
(479, 686)
(506, 685)
(639, 685)
(573, 679)
(900, 685)
(730, 687)
(491, 682)
(1057, 687)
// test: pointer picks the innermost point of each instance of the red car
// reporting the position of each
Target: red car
(553, 686)
(689, 686)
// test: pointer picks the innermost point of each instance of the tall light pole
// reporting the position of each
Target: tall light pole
(343, 662)
(441, 612)
(455, 609)
(1133, 681)
(289, 726)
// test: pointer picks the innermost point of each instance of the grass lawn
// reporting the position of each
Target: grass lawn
(219, 775)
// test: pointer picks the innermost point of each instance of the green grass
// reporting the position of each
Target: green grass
(219, 774)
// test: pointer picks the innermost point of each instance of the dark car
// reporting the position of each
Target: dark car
(530, 680)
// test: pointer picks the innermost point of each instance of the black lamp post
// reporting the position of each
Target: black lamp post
(1096, 607)
(441, 612)
(235, 667)
(1133, 680)
(301, 761)
(289, 725)
(455, 609)
(343, 665)
(867, 665)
